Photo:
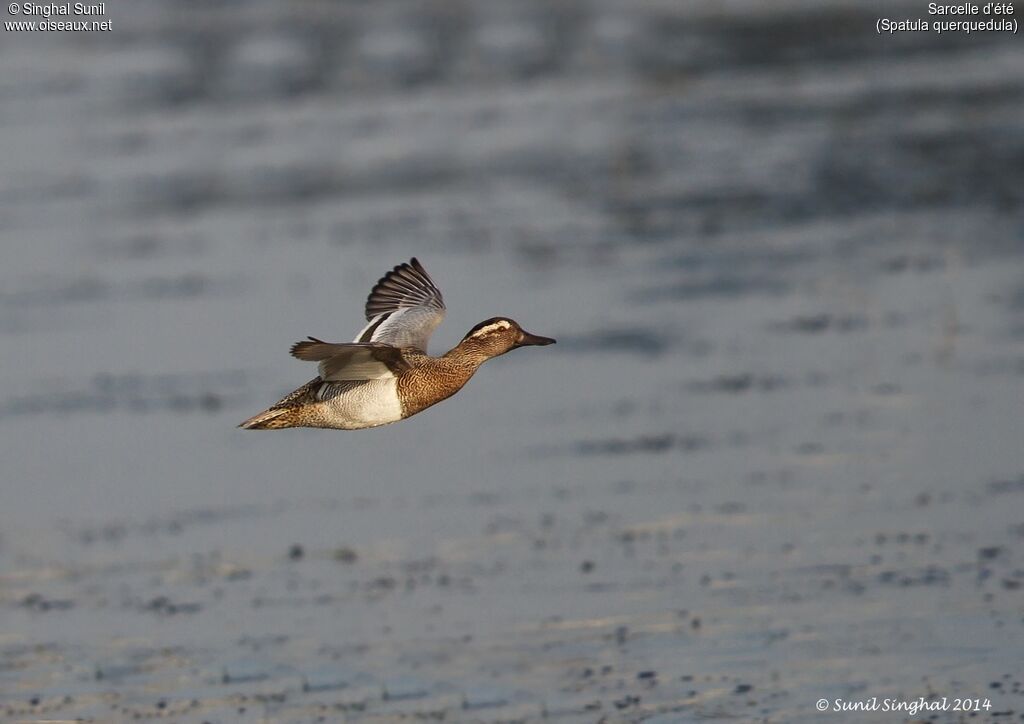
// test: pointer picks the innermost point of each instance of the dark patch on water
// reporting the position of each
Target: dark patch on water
(173, 524)
(638, 341)
(912, 263)
(404, 689)
(164, 606)
(921, 170)
(38, 603)
(1010, 485)
(741, 383)
(91, 290)
(928, 576)
(818, 323)
(146, 246)
(676, 45)
(644, 444)
(205, 393)
(724, 286)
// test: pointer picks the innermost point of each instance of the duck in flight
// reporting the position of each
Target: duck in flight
(386, 375)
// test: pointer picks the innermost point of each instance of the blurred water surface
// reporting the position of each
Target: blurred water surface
(775, 456)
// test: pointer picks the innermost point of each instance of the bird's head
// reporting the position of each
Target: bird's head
(498, 335)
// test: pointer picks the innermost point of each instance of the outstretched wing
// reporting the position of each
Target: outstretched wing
(403, 309)
(350, 362)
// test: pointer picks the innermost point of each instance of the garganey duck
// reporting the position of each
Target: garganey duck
(386, 375)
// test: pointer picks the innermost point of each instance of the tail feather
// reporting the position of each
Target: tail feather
(272, 419)
(286, 412)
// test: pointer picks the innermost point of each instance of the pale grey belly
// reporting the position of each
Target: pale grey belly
(352, 406)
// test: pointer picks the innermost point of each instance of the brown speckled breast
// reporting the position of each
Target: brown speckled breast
(431, 380)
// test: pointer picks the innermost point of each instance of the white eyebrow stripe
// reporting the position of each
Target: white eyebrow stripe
(502, 324)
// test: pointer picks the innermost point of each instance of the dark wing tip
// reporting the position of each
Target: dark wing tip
(303, 350)
(406, 285)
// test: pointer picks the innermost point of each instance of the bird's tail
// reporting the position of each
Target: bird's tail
(273, 419)
(286, 412)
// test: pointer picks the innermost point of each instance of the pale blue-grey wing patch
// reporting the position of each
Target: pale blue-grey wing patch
(366, 335)
(349, 362)
(403, 309)
(410, 327)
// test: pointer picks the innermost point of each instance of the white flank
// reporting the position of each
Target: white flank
(374, 402)
(381, 404)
